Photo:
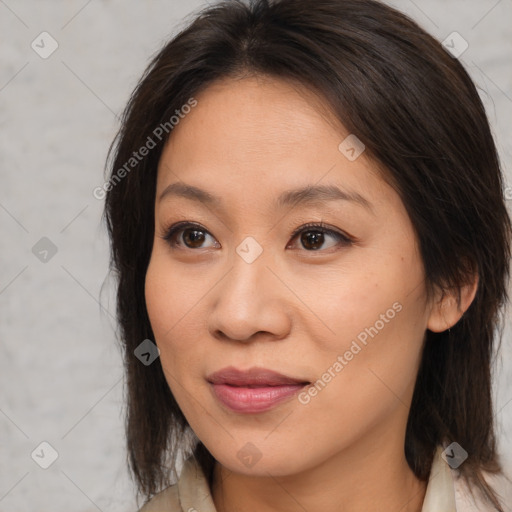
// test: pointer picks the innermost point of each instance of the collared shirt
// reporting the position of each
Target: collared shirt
(445, 493)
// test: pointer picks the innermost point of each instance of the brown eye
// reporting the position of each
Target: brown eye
(313, 237)
(312, 240)
(191, 236)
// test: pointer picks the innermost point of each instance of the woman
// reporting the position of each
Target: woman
(307, 218)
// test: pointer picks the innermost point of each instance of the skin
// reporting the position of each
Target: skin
(293, 310)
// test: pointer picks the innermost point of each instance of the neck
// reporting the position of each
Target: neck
(369, 478)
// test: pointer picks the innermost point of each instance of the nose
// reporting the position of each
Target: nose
(250, 301)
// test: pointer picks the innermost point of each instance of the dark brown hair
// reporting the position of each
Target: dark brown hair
(421, 119)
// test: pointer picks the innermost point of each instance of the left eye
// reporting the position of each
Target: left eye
(312, 236)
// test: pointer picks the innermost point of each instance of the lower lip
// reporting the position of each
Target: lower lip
(253, 400)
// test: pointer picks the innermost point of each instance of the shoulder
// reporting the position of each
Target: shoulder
(448, 490)
(165, 501)
(191, 492)
(469, 500)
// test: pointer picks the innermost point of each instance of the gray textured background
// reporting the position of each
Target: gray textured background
(60, 369)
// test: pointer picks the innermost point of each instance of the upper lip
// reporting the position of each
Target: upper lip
(252, 377)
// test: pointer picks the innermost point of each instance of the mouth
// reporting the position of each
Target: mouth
(254, 390)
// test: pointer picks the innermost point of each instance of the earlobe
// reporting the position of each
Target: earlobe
(447, 310)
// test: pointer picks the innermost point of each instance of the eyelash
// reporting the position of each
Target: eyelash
(319, 227)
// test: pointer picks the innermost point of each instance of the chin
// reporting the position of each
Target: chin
(251, 461)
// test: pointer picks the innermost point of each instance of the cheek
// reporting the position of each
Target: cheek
(377, 316)
(159, 302)
(381, 298)
(376, 355)
(172, 294)
(169, 301)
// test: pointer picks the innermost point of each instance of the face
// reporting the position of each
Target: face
(324, 286)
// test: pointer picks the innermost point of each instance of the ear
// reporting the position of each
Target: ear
(448, 306)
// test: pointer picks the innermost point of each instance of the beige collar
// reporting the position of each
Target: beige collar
(440, 495)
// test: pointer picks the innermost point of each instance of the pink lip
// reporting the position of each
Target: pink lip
(254, 390)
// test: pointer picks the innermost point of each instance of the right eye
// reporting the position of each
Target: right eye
(192, 236)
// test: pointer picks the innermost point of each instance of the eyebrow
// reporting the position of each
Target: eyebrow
(311, 194)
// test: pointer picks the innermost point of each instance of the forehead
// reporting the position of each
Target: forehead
(255, 113)
(259, 137)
